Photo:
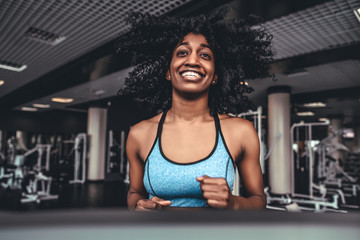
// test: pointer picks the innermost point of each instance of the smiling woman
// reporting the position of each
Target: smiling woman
(194, 70)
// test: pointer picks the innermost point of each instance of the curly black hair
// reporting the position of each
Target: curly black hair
(242, 50)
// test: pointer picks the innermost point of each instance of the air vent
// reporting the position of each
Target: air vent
(12, 66)
(44, 36)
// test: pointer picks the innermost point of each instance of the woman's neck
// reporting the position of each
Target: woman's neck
(189, 110)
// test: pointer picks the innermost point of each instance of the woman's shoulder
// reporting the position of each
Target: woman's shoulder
(236, 125)
(234, 122)
(144, 129)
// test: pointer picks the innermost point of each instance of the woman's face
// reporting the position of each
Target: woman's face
(192, 67)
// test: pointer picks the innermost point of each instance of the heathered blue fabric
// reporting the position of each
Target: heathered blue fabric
(177, 182)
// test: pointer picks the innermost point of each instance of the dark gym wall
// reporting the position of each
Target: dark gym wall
(46, 122)
(122, 113)
(125, 112)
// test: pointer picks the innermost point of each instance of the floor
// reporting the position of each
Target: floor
(89, 195)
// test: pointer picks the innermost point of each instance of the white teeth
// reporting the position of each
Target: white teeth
(189, 73)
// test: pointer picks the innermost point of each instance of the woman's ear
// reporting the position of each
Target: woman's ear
(215, 79)
(168, 76)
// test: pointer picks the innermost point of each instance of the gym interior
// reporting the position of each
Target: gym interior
(63, 127)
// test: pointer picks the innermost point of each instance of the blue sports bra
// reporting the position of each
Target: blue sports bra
(176, 182)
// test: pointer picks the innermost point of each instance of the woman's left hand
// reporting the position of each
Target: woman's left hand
(216, 191)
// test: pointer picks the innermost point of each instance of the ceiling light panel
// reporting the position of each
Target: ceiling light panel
(62, 100)
(305, 114)
(326, 26)
(39, 105)
(86, 25)
(29, 109)
(315, 105)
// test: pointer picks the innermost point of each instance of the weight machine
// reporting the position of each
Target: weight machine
(311, 159)
(116, 157)
(79, 151)
(330, 173)
(38, 185)
(304, 160)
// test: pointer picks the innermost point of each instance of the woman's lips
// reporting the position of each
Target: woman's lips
(191, 75)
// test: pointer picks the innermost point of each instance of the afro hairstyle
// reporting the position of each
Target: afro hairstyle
(242, 50)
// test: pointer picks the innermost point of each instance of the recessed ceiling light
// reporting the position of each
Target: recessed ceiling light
(2, 82)
(62, 100)
(29, 109)
(302, 114)
(246, 83)
(314, 104)
(38, 105)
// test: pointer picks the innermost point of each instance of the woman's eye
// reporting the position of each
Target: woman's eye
(181, 53)
(205, 55)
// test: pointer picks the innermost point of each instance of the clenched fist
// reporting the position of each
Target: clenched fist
(216, 191)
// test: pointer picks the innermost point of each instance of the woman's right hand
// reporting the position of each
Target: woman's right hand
(155, 203)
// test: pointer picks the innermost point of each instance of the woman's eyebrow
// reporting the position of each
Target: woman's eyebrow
(183, 43)
(201, 44)
(205, 45)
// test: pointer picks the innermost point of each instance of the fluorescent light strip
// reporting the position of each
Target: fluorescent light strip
(302, 114)
(29, 109)
(62, 100)
(314, 104)
(16, 69)
(357, 13)
(38, 105)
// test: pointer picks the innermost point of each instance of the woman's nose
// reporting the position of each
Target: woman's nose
(192, 60)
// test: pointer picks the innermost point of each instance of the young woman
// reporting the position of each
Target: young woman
(194, 70)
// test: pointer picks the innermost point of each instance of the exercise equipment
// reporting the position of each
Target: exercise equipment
(36, 184)
(76, 158)
(318, 179)
(80, 149)
(116, 158)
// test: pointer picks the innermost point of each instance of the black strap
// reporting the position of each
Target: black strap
(217, 123)
(161, 123)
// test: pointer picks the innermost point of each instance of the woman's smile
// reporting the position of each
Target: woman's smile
(189, 75)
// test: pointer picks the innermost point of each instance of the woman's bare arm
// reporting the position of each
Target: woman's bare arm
(137, 197)
(136, 170)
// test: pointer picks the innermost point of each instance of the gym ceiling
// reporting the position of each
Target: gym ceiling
(49, 48)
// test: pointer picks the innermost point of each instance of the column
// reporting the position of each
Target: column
(96, 130)
(280, 172)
